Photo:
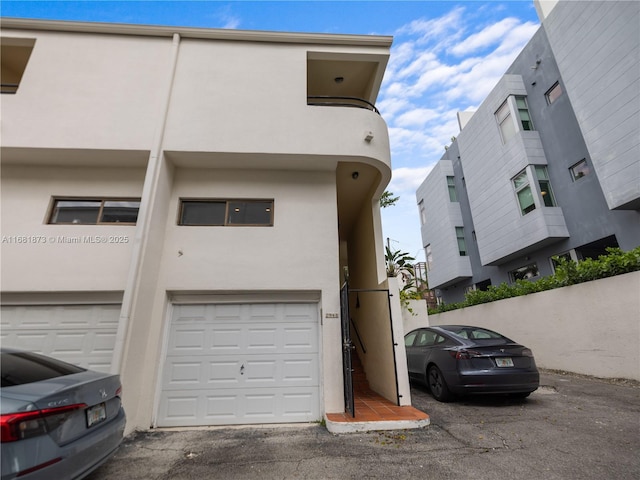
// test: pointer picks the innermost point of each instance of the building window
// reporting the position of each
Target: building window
(84, 211)
(545, 187)
(569, 256)
(226, 212)
(523, 113)
(14, 55)
(524, 193)
(423, 213)
(507, 127)
(553, 93)
(524, 273)
(429, 255)
(462, 247)
(579, 170)
(453, 196)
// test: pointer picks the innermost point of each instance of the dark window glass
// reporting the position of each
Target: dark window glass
(523, 111)
(92, 212)
(462, 246)
(250, 213)
(203, 213)
(115, 211)
(226, 212)
(524, 273)
(580, 170)
(19, 368)
(473, 332)
(408, 340)
(76, 211)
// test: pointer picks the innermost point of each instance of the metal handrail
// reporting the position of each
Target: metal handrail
(338, 101)
(355, 329)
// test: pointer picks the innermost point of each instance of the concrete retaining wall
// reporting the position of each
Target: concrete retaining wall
(592, 328)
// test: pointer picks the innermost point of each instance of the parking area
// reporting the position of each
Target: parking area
(573, 427)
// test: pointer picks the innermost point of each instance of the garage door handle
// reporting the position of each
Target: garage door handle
(242, 370)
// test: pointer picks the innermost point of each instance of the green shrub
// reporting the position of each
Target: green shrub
(568, 272)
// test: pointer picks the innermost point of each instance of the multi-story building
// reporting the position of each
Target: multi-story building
(182, 206)
(549, 164)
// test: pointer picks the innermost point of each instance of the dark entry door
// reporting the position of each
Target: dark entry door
(347, 347)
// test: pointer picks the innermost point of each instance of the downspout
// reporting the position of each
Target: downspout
(144, 219)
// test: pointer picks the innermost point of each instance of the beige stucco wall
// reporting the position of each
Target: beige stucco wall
(63, 257)
(233, 122)
(212, 261)
(592, 328)
(109, 103)
(417, 317)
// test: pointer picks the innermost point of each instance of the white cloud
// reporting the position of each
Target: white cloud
(449, 25)
(486, 37)
(439, 66)
(417, 117)
(224, 16)
(406, 180)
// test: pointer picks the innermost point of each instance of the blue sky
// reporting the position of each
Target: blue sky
(446, 57)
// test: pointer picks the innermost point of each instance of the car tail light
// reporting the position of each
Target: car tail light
(464, 354)
(526, 352)
(119, 391)
(21, 425)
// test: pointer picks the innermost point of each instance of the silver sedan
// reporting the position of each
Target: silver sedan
(58, 421)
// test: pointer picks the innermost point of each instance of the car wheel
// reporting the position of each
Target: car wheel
(438, 385)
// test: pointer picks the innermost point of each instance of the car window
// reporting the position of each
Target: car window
(475, 333)
(426, 338)
(19, 368)
(410, 338)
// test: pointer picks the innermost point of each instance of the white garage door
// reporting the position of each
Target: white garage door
(241, 363)
(80, 334)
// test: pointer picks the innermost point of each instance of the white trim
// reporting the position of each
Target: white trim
(245, 297)
(200, 33)
(61, 298)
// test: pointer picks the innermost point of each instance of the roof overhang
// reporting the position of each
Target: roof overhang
(200, 33)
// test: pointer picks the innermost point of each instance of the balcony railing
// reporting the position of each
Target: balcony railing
(331, 101)
(9, 88)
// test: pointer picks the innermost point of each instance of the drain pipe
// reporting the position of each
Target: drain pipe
(144, 219)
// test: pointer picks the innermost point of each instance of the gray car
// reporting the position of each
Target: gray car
(59, 421)
(459, 359)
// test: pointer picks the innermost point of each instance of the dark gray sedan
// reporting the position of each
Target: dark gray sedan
(58, 421)
(458, 360)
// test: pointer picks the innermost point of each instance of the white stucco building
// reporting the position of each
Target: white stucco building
(181, 205)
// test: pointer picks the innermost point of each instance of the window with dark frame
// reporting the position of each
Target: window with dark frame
(580, 169)
(553, 93)
(462, 246)
(545, 186)
(523, 113)
(524, 273)
(94, 211)
(223, 213)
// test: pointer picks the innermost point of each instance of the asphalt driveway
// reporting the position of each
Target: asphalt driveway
(571, 428)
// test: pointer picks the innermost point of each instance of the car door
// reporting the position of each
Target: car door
(419, 351)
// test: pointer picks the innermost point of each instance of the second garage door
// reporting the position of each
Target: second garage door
(80, 334)
(241, 363)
